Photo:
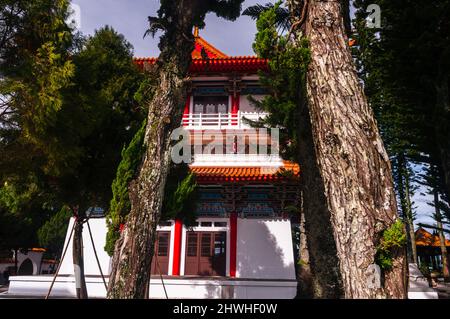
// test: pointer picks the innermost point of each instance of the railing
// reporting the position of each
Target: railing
(271, 163)
(221, 120)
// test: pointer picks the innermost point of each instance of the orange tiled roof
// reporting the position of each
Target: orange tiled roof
(236, 174)
(38, 250)
(210, 50)
(424, 238)
(217, 61)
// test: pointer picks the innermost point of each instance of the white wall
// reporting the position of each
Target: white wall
(265, 249)
(246, 106)
(38, 286)
(99, 229)
(34, 256)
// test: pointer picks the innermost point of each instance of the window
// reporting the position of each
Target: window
(211, 104)
(206, 224)
(206, 245)
(163, 245)
(220, 224)
(192, 244)
(165, 224)
(206, 254)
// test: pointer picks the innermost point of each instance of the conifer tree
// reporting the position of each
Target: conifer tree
(354, 168)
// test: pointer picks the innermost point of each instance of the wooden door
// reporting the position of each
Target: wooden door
(205, 253)
(162, 253)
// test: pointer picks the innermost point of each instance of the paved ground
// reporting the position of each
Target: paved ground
(443, 290)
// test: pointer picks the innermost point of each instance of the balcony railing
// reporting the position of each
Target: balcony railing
(271, 162)
(221, 121)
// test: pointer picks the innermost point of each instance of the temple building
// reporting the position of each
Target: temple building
(242, 244)
(429, 251)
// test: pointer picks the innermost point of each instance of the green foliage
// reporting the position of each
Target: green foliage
(99, 116)
(286, 79)
(36, 68)
(70, 109)
(393, 238)
(406, 70)
(266, 40)
(22, 212)
(120, 204)
(53, 233)
(180, 195)
(180, 191)
(282, 14)
(173, 40)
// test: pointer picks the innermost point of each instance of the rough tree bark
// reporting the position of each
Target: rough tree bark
(304, 276)
(350, 156)
(130, 275)
(318, 270)
(439, 226)
(320, 278)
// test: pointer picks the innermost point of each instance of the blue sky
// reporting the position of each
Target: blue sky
(129, 17)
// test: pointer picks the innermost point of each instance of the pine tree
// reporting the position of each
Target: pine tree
(404, 66)
(433, 180)
(407, 62)
(286, 80)
(349, 154)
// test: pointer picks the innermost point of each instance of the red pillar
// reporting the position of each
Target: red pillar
(235, 104)
(187, 110)
(177, 247)
(233, 244)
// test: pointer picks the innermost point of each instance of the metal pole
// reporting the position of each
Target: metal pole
(96, 256)
(61, 261)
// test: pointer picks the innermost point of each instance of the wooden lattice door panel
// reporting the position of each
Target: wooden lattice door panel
(162, 254)
(205, 254)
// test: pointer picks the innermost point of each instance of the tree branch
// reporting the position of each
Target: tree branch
(302, 19)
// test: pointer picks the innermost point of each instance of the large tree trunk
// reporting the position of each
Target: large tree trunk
(318, 270)
(304, 276)
(134, 251)
(320, 276)
(130, 275)
(354, 169)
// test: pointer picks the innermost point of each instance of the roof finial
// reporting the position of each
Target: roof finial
(196, 32)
